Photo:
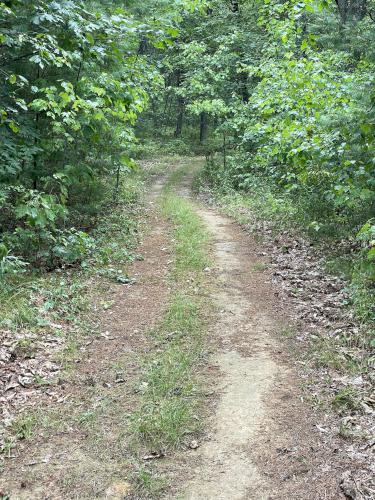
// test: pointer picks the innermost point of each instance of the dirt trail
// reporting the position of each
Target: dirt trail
(74, 462)
(263, 443)
(248, 371)
(260, 441)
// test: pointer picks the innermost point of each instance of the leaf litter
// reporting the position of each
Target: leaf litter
(317, 303)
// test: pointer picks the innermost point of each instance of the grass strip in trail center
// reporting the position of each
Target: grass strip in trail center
(167, 417)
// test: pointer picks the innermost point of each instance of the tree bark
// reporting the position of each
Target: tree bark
(180, 117)
(243, 82)
(235, 5)
(351, 10)
(342, 6)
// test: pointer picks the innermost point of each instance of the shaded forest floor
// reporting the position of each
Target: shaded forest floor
(198, 382)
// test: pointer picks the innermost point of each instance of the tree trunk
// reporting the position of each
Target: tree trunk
(180, 107)
(243, 82)
(225, 151)
(353, 10)
(180, 117)
(143, 46)
(155, 116)
(342, 6)
(203, 127)
(235, 5)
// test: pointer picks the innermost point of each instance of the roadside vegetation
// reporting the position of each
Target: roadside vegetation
(277, 96)
(75, 77)
(46, 318)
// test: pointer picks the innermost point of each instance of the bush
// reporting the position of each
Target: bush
(9, 264)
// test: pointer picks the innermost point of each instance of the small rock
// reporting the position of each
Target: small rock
(154, 455)
(347, 485)
(193, 445)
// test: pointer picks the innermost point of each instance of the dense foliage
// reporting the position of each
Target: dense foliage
(73, 80)
(275, 92)
(283, 93)
(291, 86)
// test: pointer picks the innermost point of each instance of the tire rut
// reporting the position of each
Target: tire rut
(262, 441)
(247, 369)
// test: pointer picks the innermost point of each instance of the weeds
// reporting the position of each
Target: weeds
(347, 399)
(325, 353)
(37, 306)
(288, 332)
(259, 267)
(149, 483)
(24, 427)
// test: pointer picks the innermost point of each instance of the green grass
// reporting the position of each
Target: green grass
(24, 427)
(148, 482)
(288, 332)
(189, 235)
(170, 399)
(340, 265)
(348, 398)
(259, 267)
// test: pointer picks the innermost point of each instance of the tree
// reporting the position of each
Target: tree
(74, 79)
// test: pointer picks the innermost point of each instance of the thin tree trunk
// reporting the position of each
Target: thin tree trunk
(180, 117)
(225, 150)
(235, 5)
(243, 82)
(35, 173)
(155, 116)
(203, 127)
(180, 108)
(342, 6)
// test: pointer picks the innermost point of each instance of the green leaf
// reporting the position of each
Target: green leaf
(22, 104)
(90, 38)
(367, 128)
(14, 127)
(3, 251)
(127, 161)
(371, 254)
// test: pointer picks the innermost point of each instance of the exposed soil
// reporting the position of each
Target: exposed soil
(326, 340)
(263, 442)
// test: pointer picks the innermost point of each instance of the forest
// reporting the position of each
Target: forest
(277, 93)
(274, 99)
